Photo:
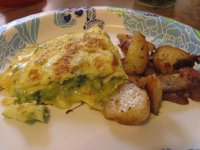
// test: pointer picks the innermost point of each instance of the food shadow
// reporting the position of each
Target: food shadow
(34, 134)
(158, 132)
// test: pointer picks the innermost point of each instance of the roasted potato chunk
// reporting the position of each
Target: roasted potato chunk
(174, 82)
(150, 70)
(139, 81)
(129, 105)
(123, 37)
(125, 40)
(137, 56)
(154, 90)
(166, 57)
(151, 46)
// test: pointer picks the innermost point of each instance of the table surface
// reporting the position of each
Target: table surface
(186, 11)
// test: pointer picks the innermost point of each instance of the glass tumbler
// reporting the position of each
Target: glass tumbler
(157, 3)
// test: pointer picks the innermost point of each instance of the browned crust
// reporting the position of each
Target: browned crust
(34, 74)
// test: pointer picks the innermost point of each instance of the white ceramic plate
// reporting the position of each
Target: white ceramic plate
(176, 128)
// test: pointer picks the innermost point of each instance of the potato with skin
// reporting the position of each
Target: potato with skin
(137, 56)
(166, 57)
(123, 37)
(125, 42)
(129, 105)
(174, 82)
(139, 81)
(150, 69)
(154, 90)
(151, 46)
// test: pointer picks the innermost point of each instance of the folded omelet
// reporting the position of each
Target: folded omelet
(73, 68)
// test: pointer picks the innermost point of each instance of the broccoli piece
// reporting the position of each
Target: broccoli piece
(80, 80)
(22, 97)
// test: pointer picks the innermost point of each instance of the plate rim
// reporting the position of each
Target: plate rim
(99, 8)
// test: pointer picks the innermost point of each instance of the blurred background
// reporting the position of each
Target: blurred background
(186, 11)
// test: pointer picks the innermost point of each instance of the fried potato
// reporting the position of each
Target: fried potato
(129, 105)
(139, 81)
(125, 40)
(154, 90)
(136, 59)
(150, 70)
(123, 37)
(127, 37)
(174, 82)
(166, 57)
(151, 46)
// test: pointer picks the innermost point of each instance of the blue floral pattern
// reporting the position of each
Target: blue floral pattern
(91, 19)
(68, 17)
(26, 33)
(64, 19)
(3, 28)
(10, 48)
(28, 30)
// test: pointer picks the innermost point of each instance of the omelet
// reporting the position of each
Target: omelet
(73, 68)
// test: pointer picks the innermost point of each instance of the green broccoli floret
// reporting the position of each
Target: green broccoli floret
(22, 97)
